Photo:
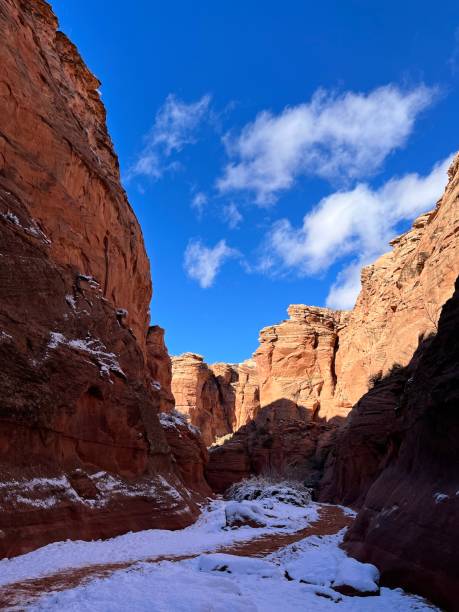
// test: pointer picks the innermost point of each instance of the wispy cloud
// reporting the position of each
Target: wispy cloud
(199, 201)
(175, 126)
(232, 215)
(358, 223)
(203, 263)
(336, 137)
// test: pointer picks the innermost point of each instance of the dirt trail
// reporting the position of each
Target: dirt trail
(20, 594)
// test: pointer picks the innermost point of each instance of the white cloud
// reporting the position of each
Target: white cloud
(343, 137)
(203, 263)
(174, 127)
(199, 201)
(345, 289)
(232, 215)
(358, 223)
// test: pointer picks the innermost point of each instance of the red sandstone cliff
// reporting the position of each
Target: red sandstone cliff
(396, 455)
(319, 362)
(82, 453)
(398, 458)
(218, 399)
(160, 367)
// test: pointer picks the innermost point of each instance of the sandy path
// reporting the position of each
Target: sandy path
(19, 595)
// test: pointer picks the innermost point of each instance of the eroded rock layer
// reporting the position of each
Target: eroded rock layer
(82, 453)
(402, 296)
(296, 360)
(398, 457)
(160, 367)
(218, 399)
(320, 361)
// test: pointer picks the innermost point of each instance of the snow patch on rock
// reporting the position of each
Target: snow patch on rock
(175, 419)
(106, 361)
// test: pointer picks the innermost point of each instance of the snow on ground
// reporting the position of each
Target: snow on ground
(207, 534)
(222, 583)
(298, 577)
(319, 560)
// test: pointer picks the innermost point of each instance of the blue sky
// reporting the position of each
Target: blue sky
(270, 149)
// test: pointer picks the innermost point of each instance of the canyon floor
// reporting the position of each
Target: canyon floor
(292, 562)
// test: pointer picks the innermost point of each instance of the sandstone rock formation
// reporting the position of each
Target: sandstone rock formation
(280, 441)
(296, 360)
(398, 459)
(322, 359)
(219, 398)
(82, 453)
(196, 395)
(160, 367)
(319, 362)
(188, 450)
(402, 296)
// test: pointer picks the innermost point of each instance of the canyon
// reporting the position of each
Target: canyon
(82, 450)
(310, 370)
(102, 432)
(362, 406)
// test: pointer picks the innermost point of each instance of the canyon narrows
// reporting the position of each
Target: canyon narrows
(102, 432)
(328, 397)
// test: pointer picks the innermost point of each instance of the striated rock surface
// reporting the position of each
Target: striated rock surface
(296, 359)
(401, 298)
(321, 361)
(57, 157)
(398, 458)
(82, 453)
(218, 399)
(196, 396)
(188, 450)
(239, 391)
(160, 367)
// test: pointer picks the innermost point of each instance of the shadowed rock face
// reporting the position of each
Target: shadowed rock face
(82, 453)
(398, 458)
(281, 440)
(321, 361)
(189, 453)
(160, 367)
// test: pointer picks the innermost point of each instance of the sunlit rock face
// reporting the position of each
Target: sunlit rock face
(322, 359)
(296, 359)
(218, 399)
(82, 453)
(402, 296)
(317, 364)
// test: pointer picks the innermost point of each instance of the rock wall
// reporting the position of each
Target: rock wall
(318, 363)
(218, 399)
(323, 359)
(280, 441)
(57, 157)
(398, 459)
(82, 452)
(296, 359)
(189, 453)
(402, 296)
(160, 367)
